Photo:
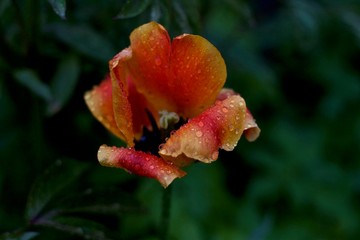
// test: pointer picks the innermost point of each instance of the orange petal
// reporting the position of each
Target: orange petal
(198, 73)
(99, 101)
(129, 105)
(139, 163)
(121, 104)
(251, 129)
(151, 47)
(184, 77)
(220, 126)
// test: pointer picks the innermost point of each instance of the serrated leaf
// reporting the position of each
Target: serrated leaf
(50, 184)
(83, 39)
(63, 83)
(77, 226)
(30, 80)
(59, 7)
(132, 8)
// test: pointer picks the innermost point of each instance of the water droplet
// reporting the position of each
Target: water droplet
(214, 155)
(152, 167)
(161, 146)
(199, 71)
(218, 117)
(158, 61)
(237, 117)
(231, 127)
(231, 105)
(201, 124)
(237, 131)
(199, 133)
(224, 109)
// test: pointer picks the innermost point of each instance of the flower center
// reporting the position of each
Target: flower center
(153, 138)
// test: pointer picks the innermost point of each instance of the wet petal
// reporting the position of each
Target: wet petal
(251, 130)
(151, 47)
(139, 163)
(220, 126)
(99, 100)
(128, 104)
(120, 91)
(184, 76)
(198, 72)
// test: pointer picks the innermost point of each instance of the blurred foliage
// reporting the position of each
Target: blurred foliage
(296, 62)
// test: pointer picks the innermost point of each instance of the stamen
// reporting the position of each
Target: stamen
(168, 119)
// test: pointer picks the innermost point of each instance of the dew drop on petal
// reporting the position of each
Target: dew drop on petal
(158, 61)
(214, 155)
(161, 146)
(231, 127)
(224, 109)
(199, 133)
(201, 124)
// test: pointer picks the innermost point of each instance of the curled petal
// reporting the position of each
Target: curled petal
(120, 91)
(251, 130)
(220, 126)
(99, 100)
(182, 76)
(139, 163)
(128, 104)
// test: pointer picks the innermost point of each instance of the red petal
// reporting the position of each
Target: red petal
(184, 77)
(99, 101)
(218, 127)
(139, 163)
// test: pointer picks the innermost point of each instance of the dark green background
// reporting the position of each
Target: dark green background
(296, 62)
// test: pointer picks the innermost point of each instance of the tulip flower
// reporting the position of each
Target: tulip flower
(165, 99)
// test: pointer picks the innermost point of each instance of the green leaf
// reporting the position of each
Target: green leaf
(132, 8)
(102, 201)
(59, 7)
(50, 184)
(84, 39)
(78, 227)
(63, 83)
(181, 17)
(29, 79)
(19, 235)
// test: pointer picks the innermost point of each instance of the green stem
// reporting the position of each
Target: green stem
(165, 215)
